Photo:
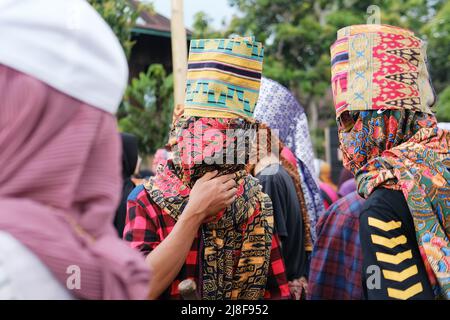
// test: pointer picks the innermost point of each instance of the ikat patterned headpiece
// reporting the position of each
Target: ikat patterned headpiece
(379, 67)
(223, 78)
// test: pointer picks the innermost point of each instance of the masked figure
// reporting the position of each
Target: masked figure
(235, 256)
(391, 142)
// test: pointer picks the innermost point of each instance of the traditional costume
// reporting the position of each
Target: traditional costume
(391, 142)
(237, 256)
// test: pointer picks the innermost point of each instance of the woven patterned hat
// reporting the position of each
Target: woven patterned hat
(379, 67)
(223, 78)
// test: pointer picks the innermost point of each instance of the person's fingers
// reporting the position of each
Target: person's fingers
(230, 201)
(209, 175)
(226, 177)
(229, 184)
(230, 193)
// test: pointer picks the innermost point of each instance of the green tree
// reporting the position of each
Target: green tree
(443, 106)
(148, 103)
(146, 109)
(121, 15)
(437, 33)
(202, 27)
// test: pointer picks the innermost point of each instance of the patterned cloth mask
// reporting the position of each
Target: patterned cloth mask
(245, 227)
(379, 67)
(389, 135)
(405, 150)
(223, 77)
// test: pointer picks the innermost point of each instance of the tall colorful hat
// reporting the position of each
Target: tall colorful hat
(223, 78)
(380, 67)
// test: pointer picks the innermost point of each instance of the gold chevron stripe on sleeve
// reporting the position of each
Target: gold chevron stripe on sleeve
(394, 258)
(385, 226)
(405, 294)
(400, 276)
(389, 243)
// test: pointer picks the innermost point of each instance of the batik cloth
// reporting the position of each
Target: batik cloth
(377, 67)
(336, 261)
(148, 225)
(200, 145)
(405, 150)
(279, 110)
(236, 252)
(223, 78)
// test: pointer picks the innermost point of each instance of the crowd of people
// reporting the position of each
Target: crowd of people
(236, 201)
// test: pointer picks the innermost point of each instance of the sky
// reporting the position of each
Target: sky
(216, 9)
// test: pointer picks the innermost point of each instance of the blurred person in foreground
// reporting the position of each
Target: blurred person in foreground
(279, 175)
(60, 181)
(231, 253)
(390, 141)
(57, 132)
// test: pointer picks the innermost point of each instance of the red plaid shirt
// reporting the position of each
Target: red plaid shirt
(147, 226)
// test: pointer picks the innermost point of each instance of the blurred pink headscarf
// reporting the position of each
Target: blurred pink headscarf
(161, 156)
(60, 168)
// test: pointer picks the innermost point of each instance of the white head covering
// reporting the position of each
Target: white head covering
(444, 125)
(66, 44)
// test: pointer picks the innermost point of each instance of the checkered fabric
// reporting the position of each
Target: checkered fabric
(147, 226)
(336, 261)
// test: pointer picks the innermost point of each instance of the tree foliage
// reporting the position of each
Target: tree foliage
(443, 106)
(148, 103)
(121, 15)
(437, 32)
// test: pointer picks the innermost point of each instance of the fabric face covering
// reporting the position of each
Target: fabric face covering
(245, 227)
(405, 150)
(223, 78)
(380, 67)
(389, 135)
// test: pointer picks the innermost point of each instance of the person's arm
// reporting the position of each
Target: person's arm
(208, 196)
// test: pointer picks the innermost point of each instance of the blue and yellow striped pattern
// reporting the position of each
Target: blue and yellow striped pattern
(223, 78)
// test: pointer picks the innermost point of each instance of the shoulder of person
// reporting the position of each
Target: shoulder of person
(136, 193)
(383, 198)
(273, 173)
